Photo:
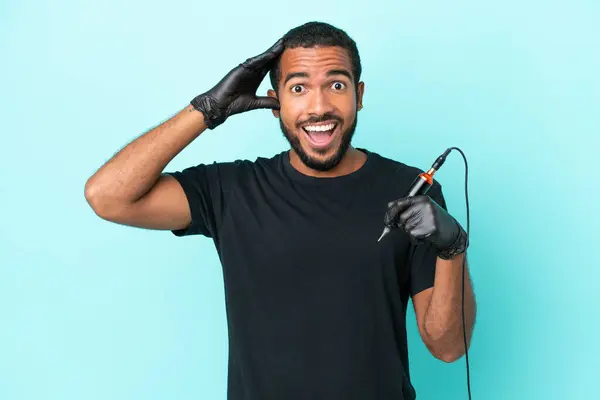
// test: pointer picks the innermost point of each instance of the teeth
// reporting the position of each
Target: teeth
(319, 128)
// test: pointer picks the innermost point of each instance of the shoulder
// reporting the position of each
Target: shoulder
(237, 172)
(245, 168)
(398, 174)
(394, 167)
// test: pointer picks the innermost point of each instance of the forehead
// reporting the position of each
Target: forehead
(314, 60)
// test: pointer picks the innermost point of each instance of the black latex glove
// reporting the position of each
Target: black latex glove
(424, 220)
(236, 92)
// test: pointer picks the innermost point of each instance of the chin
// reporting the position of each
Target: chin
(320, 163)
(320, 158)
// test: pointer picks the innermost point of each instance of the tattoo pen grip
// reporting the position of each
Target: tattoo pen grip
(421, 184)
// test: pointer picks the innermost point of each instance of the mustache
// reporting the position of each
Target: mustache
(322, 118)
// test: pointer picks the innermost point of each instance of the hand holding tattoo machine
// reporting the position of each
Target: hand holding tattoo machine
(451, 242)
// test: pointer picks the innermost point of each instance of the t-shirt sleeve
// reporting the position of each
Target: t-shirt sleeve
(424, 256)
(206, 187)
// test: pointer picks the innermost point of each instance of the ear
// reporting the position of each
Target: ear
(359, 95)
(271, 93)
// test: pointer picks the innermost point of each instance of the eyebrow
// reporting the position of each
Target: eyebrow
(332, 72)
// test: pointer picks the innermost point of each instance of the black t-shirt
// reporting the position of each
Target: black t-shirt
(316, 307)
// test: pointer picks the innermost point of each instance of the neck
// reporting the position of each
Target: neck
(351, 162)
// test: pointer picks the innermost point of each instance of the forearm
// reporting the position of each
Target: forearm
(132, 172)
(443, 324)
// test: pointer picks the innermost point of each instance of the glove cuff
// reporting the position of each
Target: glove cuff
(213, 116)
(459, 246)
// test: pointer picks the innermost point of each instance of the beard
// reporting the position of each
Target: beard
(315, 163)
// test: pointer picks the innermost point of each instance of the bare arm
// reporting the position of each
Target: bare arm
(439, 311)
(130, 189)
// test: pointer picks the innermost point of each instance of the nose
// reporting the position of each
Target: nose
(319, 103)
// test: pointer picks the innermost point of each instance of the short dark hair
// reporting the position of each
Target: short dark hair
(312, 34)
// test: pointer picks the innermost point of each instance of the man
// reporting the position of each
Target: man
(315, 305)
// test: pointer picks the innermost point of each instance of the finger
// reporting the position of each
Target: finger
(263, 60)
(276, 50)
(391, 216)
(410, 222)
(265, 102)
(409, 218)
(415, 223)
(395, 208)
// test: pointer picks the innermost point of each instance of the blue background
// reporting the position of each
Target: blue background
(93, 310)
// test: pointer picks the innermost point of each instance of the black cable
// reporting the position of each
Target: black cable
(463, 269)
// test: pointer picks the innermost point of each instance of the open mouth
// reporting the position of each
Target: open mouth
(320, 135)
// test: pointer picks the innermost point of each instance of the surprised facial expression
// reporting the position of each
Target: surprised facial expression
(318, 103)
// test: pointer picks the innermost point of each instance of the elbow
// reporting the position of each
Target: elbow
(449, 356)
(90, 192)
(99, 203)
(92, 196)
(446, 349)
(449, 352)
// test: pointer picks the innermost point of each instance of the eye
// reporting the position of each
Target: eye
(297, 88)
(339, 85)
